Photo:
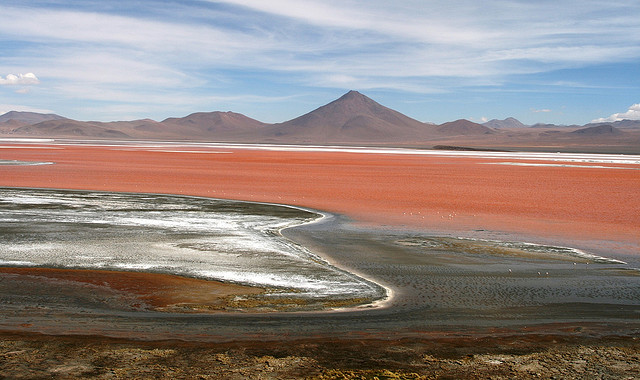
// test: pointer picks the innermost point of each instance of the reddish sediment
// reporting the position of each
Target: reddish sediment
(149, 290)
(426, 192)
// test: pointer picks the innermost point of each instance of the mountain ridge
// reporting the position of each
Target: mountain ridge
(352, 119)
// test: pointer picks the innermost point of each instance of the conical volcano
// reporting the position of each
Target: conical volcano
(351, 118)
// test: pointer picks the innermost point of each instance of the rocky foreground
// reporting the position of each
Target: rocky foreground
(547, 357)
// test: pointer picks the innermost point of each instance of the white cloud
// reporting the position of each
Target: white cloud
(20, 79)
(633, 113)
(544, 110)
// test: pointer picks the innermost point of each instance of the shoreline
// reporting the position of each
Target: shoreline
(171, 278)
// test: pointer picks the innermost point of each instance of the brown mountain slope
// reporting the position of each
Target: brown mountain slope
(509, 122)
(28, 117)
(9, 127)
(212, 125)
(463, 127)
(350, 119)
(70, 129)
(200, 126)
(598, 130)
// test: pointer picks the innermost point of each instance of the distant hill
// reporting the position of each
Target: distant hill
(351, 118)
(212, 124)
(620, 124)
(216, 121)
(553, 126)
(631, 124)
(598, 130)
(463, 127)
(69, 128)
(509, 122)
(28, 117)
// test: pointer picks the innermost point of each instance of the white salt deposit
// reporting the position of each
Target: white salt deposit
(221, 240)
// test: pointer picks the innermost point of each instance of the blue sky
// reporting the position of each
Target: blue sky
(564, 62)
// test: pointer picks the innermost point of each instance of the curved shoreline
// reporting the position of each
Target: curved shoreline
(324, 215)
(320, 217)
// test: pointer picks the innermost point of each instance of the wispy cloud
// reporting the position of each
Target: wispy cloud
(544, 110)
(467, 38)
(633, 113)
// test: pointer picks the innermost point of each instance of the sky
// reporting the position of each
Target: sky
(562, 62)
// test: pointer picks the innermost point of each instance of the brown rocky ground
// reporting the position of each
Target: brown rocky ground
(545, 357)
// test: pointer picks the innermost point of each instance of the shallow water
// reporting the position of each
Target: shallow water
(438, 282)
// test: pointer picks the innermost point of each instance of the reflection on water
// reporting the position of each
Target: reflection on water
(222, 240)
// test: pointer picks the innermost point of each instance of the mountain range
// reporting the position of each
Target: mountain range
(351, 119)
